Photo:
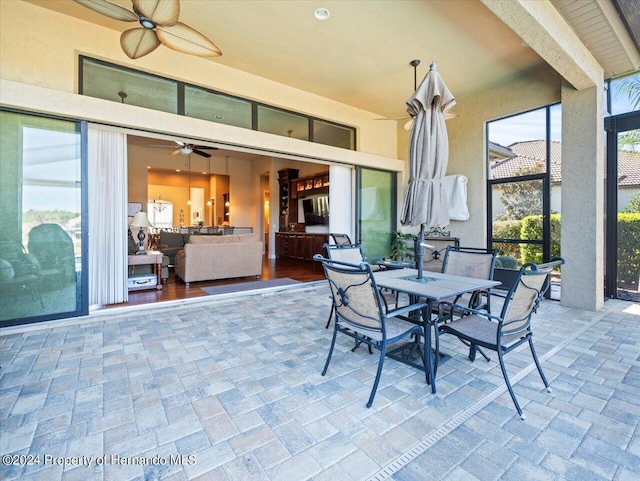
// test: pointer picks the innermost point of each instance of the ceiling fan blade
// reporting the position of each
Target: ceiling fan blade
(182, 38)
(200, 152)
(109, 9)
(138, 42)
(175, 152)
(160, 12)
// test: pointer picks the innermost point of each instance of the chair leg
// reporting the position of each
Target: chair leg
(383, 350)
(473, 349)
(357, 345)
(506, 380)
(330, 316)
(333, 343)
(535, 358)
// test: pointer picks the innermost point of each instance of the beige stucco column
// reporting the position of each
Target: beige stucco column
(582, 243)
(545, 31)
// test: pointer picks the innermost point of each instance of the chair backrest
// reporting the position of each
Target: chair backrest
(470, 262)
(356, 299)
(227, 230)
(351, 253)
(340, 239)
(526, 294)
(432, 258)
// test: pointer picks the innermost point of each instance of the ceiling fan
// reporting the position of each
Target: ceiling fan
(159, 21)
(408, 125)
(186, 149)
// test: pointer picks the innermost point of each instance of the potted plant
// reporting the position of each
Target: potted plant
(402, 247)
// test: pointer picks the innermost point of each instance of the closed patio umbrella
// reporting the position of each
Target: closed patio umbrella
(426, 202)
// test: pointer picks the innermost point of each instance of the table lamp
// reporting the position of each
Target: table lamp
(141, 221)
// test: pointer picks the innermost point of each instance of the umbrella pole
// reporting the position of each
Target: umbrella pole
(419, 251)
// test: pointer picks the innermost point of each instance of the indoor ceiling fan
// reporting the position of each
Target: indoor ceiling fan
(159, 21)
(185, 149)
(408, 125)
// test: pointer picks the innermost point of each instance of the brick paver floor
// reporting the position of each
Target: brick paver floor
(230, 389)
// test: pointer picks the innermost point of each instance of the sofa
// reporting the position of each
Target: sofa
(170, 243)
(207, 257)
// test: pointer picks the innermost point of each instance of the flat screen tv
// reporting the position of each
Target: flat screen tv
(316, 210)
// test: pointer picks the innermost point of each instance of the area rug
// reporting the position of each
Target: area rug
(249, 286)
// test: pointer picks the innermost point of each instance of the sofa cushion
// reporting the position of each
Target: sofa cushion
(213, 239)
(172, 239)
(254, 237)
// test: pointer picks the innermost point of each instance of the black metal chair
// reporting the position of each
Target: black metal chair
(341, 239)
(434, 251)
(352, 254)
(359, 313)
(473, 262)
(511, 328)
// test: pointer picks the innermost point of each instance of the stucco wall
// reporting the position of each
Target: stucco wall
(49, 43)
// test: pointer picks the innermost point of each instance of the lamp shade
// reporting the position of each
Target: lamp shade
(140, 220)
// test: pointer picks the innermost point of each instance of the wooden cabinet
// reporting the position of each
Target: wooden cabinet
(292, 188)
(314, 184)
(288, 208)
(300, 245)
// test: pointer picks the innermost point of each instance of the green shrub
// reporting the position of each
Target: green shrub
(629, 249)
(507, 229)
(507, 262)
(532, 229)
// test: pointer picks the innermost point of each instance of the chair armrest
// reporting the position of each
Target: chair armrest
(407, 309)
(467, 310)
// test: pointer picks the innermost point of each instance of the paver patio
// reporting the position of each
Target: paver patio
(230, 389)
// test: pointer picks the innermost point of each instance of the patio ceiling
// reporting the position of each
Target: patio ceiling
(360, 56)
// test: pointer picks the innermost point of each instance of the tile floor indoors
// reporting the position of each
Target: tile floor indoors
(230, 389)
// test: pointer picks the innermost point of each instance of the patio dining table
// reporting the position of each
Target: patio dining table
(432, 288)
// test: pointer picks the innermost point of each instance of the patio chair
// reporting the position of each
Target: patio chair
(340, 239)
(434, 251)
(351, 254)
(474, 262)
(360, 313)
(511, 328)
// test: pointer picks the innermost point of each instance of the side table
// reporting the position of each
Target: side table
(151, 257)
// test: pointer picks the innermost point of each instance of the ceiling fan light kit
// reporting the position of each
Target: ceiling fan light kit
(158, 25)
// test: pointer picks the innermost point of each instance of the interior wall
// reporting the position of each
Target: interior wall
(38, 60)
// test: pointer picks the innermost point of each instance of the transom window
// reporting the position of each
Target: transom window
(121, 84)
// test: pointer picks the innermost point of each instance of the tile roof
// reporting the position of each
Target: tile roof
(531, 155)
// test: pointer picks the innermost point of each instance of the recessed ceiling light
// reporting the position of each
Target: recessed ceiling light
(321, 13)
(177, 170)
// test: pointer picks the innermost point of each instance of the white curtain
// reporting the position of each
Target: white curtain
(107, 217)
(340, 199)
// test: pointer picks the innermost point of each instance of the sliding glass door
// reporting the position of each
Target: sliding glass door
(376, 211)
(41, 219)
(622, 255)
